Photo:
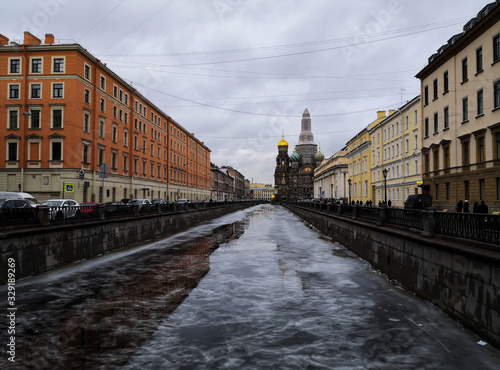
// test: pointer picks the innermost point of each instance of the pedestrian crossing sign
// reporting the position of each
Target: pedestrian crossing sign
(69, 188)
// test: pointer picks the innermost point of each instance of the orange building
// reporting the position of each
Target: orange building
(64, 114)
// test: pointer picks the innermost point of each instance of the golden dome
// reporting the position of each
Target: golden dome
(282, 143)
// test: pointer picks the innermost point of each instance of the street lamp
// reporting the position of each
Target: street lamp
(384, 172)
(349, 182)
(320, 192)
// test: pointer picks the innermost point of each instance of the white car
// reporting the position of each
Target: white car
(141, 202)
(60, 209)
(183, 201)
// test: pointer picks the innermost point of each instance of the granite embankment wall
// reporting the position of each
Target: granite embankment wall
(39, 249)
(459, 276)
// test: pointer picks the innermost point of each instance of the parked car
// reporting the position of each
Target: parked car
(89, 208)
(183, 201)
(418, 201)
(158, 201)
(16, 211)
(141, 202)
(18, 195)
(60, 209)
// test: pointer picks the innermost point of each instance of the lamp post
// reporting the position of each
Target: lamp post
(384, 172)
(320, 192)
(331, 191)
(349, 182)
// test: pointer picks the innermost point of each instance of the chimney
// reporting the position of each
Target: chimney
(29, 39)
(49, 38)
(392, 111)
(3, 40)
(381, 114)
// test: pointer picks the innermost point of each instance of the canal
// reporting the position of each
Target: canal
(256, 289)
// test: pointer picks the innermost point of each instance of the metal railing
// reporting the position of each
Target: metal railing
(472, 226)
(46, 216)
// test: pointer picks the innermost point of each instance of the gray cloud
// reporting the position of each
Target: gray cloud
(246, 70)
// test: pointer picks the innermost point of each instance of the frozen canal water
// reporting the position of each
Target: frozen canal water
(275, 294)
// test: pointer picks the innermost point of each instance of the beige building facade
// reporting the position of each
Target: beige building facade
(461, 115)
(330, 178)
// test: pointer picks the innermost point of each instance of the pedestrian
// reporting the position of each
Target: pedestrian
(389, 202)
(466, 206)
(474, 207)
(459, 206)
(482, 208)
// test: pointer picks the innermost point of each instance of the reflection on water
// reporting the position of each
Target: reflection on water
(97, 319)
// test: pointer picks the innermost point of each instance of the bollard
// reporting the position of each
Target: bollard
(43, 215)
(101, 212)
(429, 223)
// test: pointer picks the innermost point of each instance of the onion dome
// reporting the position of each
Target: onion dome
(282, 143)
(319, 156)
(294, 157)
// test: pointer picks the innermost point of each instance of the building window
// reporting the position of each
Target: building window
(466, 190)
(446, 157)
(103, 83)
(426, 127)
(100, 156)
(58, 65)
(113, 160)
(86, 122)
(465, 109)
(115, 92)
(436, 159)
(465, 153)
(125, 138)
(115, 134)
(426, 95)
(465, 76)
(57, 118)
(36, 65)
(86, 96)
(496, 48)
(57, 90)
(436, 124)
(13, 119)
(125, 163)
(496, 92)
(86, 72)
(479, 59)
(101, 128)
(445, 82)
(446, 118)
(56, 151)
(497, 145)
(85, 157)
(15, 66)
(13, 91)
(482, 189)
(435, 92)
(12, 151)
(35, 119)
(480, 149)
(36, 91)
(103, 105)
(480, 102)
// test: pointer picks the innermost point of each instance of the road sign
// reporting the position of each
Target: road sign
(81, 174)
(69, 188)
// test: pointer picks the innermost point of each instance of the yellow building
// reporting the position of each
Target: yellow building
(460, 90)
(359, 163)
(395, 147)
(262, 191)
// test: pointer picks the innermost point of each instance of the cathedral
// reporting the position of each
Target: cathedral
(294, 174)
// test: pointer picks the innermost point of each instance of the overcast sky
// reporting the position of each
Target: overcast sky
(238, 73)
